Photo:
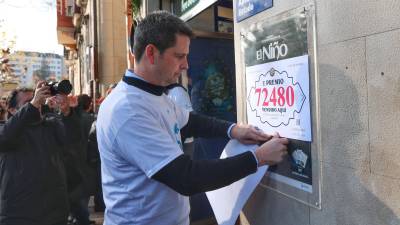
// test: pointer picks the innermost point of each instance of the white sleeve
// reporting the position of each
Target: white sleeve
(180, 97)
(143, 141)
(182, 116)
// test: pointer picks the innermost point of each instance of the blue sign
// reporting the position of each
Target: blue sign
(247, 8)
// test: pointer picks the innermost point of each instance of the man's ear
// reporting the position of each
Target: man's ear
(150, 52)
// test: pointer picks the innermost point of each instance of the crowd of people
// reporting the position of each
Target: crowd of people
(54, 155)
(48, 166)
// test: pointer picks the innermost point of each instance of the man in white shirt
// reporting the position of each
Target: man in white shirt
(146, 178)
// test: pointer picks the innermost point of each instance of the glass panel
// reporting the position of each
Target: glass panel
(282, 95)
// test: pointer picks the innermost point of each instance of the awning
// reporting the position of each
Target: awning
(65, 36)
(187, 9)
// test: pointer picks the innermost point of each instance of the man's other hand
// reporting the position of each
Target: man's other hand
(63, 103)
(248, 134)
(73, 101)
(272, 151)
(41, 93)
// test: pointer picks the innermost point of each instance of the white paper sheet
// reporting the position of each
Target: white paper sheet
(227, 202)
(278, 98)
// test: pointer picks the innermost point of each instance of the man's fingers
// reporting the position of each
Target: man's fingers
(248, 142)
(251, 142)
(259, 135)
(43, 89)
(264, 136)
(284, 141)
(276, 134)
(40, 84)
(52, 100)
(44, 93)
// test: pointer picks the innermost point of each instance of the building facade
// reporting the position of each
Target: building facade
(96, 45)
(29, 67)
(354, 98)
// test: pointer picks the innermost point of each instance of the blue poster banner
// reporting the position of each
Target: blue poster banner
(247, 8)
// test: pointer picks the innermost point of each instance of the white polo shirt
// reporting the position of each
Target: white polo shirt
(138, 134)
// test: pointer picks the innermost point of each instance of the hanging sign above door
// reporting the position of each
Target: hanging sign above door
(187, 9)
(247, 8)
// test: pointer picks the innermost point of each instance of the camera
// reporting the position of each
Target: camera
(62, 87)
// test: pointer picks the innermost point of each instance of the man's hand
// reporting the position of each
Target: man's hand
(272, 151)
(52, 102)
(248, 134)
(63, 103)
(73, 101)
(41, 93)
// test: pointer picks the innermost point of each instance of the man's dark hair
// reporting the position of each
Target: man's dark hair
(158, 28)
(12, 101)
(84, 101)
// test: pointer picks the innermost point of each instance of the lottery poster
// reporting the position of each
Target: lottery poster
(278, 92)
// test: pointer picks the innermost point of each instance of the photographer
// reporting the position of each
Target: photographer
(32, 147)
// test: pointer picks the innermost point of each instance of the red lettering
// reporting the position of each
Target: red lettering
(281, 96)
(290, 96)
(258, 90)
(265, 103)
(273, 97)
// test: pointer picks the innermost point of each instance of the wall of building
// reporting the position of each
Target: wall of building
(112, 40)
(358, 47)
(28, 66)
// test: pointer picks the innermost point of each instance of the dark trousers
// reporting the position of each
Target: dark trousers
(80, 211)
(99, 205)
(61, 223)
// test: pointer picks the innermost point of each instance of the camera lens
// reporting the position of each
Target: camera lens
(64, 87)
(53, 88)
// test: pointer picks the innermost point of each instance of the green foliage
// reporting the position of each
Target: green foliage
(135, 7)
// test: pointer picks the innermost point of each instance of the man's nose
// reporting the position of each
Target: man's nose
(185, 64)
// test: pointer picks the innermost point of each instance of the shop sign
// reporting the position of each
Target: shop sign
(187, 9)
(247, 8)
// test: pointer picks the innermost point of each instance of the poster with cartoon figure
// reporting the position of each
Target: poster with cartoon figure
(211, 87)
(278, 92)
